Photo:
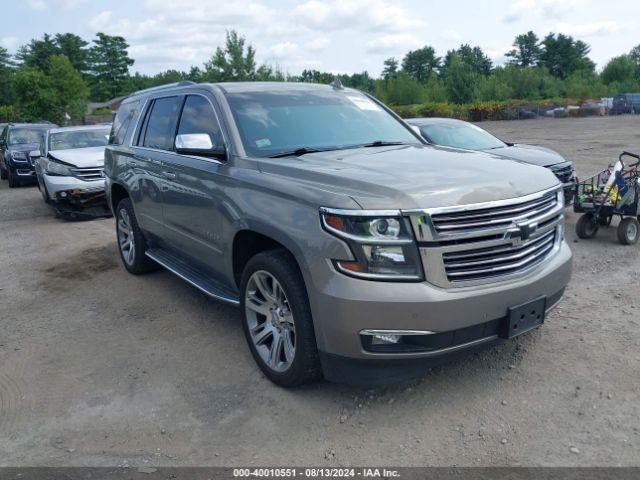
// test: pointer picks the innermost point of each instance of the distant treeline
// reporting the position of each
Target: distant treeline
(54, 77)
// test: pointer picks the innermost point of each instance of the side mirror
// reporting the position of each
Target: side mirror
(3, 143)
(416, 129)
(35, 154)
(198, 144)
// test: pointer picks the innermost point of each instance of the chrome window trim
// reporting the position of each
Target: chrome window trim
(143, 112)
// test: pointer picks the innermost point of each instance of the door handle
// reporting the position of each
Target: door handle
(133, 164)
(169, 175)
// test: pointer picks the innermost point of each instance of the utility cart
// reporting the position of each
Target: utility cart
(612, 192)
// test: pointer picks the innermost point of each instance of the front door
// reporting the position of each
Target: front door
(194, 191)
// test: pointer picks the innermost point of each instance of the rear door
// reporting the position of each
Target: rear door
(151, 145)
(194, 193)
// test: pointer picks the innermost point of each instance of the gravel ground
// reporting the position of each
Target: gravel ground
(98, 367)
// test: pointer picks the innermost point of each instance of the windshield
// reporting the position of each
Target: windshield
(275, 122)
(460, 135)
(25, 135)
(78, 139)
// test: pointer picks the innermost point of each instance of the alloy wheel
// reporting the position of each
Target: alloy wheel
(270, 321)
(126, 240)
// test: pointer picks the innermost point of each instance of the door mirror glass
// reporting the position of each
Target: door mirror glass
(198, 144)
(194, 141)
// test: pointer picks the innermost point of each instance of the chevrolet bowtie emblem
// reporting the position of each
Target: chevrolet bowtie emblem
(521, 233)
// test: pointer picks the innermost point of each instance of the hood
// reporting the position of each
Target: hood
(529, 154)
(80, 157)
(405, 177)
(24, 147)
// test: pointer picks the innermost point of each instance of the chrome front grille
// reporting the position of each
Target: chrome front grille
(489, 242)
(496, 261)
(88, 174)
(495, 217)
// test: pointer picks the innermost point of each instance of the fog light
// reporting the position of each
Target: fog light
(380, 339)
(63, 194)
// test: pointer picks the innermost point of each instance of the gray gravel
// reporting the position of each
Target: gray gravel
(98, 367)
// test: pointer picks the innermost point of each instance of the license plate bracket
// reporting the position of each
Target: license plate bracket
(524, 317)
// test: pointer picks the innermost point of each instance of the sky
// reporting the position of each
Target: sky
(340, 36)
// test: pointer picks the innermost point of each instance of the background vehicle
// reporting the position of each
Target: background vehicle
(16, 141)
(459, 134)
(353, 249)
(626, 103)
(69, 168)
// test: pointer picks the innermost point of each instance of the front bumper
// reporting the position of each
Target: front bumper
(61, 188)
(343, 307)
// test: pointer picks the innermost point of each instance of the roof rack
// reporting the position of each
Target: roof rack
(183, 83)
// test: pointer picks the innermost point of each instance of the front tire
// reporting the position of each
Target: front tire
(277, 319)
(587, 226)
(628, 231)
(131, 242)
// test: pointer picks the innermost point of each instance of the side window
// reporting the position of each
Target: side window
(198, 116)
(121, 122)
(161, 123)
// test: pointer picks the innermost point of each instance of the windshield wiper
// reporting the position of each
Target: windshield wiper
(382, 143)
(298, 151)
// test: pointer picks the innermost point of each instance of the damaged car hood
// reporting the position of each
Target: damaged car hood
(412, 176)
(80, 157)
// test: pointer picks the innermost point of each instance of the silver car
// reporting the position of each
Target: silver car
(354, 250)
(69, 168)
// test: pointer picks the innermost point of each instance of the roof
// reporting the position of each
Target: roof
(420, 122)
(241, 87)
(79, 128)
(36, 125)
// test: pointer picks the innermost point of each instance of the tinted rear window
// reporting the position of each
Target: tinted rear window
(122, 121)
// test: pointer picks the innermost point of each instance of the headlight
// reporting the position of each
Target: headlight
(56, 168)
(19, 156)
(382, 244)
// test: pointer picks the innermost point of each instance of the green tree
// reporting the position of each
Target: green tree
(53, 95)
(400, 90)
(37, 52)
(390, 68)
(75, 49)
(619, 69)
(526, 51)
(563, 55)
(583, 84)
(6, 76)
(434, 89)
(494, 88)
(35, 99)
(460, 80)
(634, 55)
(476, 59)
(315, 76)
(234, 62)
(419, 64)
(70, 89)
(109, 66)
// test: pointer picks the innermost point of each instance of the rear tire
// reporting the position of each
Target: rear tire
(628, 231)
(131, 242)
(277, 319)
(14, 182)
(587, 226)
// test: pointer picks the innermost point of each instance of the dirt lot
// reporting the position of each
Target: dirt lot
(98, 367)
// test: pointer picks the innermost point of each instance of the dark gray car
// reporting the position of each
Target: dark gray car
(457, 133)
(354, 249)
